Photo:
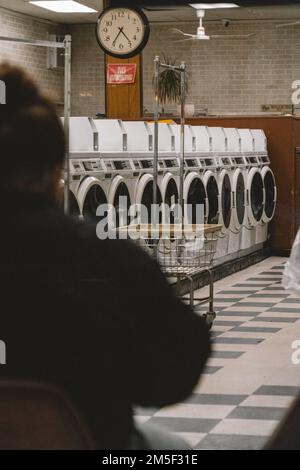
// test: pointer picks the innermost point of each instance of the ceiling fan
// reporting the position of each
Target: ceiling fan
(201, 34)
(285, 25)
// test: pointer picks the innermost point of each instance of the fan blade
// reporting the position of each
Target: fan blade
(285, 25)
(188, 39)
(232, 36)
(175, 30)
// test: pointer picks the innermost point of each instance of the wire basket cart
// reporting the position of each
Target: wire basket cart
(182, 253)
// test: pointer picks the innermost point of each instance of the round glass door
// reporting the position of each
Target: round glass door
(74, 210)
(196, 197)
(213, 202)
(122, 204)
(257, 196)
(269, 183)
(226, 201)
(240, 199)
(171, 199)
(147, 201)
(94, 198)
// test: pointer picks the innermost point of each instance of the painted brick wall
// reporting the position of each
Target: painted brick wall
(225, 75)
(231, 75)
(88, 79)
(33, 59)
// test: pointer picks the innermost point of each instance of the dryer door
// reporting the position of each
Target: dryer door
(74, 210)
(170, 195)
(119, 197)
(144, 197)
(169, 190)
(225, 192)
(212, 191)
(195, 199)
(90, 196)
(239, 200)
(270, 190)
(255, 196)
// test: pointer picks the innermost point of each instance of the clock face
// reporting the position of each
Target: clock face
(122, 32)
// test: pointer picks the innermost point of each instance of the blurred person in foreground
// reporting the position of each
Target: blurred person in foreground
(96, 318)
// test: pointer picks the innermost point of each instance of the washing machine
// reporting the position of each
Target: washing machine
(269, 185)
(105, 175)
(195, 195)
(119, 178)
(236, 166)
(254, 192)
(83, 146)
(221, 168)
(168, 175)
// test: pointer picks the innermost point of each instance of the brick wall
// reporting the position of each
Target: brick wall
(230, 75)
(225, 75)
(33, 59)
(88, 79)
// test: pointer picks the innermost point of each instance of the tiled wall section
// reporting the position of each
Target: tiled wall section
(88, 79)
(231, 75)
(34, 59)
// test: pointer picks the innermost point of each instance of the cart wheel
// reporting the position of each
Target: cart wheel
(210, 318)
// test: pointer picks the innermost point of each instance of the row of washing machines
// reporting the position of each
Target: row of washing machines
(227, 171)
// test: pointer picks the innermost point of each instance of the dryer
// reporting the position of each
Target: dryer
(117, 180)
(254, 192)
(269, 185)
(236, 167)
(223, 165)
(194, 196)
(168, 173)
(83, 145)
(101, 173)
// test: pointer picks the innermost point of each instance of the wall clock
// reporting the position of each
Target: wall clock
(122, 32)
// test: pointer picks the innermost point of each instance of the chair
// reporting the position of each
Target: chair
(35, 416)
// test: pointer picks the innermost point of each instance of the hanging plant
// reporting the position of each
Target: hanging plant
(169, 83)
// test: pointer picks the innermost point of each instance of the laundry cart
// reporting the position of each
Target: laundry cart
(182, 251)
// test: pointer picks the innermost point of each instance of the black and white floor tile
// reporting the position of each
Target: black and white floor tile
(249, 381)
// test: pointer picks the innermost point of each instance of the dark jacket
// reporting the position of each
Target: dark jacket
(95, 317)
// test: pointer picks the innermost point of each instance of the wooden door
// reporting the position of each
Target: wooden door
(125, 101)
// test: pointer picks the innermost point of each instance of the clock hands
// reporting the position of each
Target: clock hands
(115, 40)
(121, 32)
(125, 35)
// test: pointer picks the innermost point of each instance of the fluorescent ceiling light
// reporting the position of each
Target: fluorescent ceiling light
(213, 6)
(63, 6)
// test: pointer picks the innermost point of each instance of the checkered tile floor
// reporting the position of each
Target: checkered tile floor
(249, 381)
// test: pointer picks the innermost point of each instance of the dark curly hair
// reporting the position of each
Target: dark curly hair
(32, 140)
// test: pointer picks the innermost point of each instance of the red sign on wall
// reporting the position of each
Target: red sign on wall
(121, 74)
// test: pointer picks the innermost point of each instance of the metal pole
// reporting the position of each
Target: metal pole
(33, 42)
(182, 130)
(156, 118)
(67, 102)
